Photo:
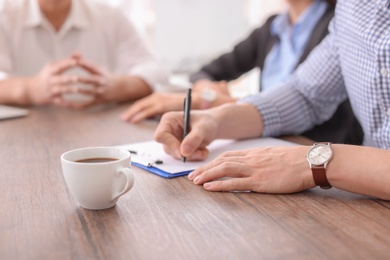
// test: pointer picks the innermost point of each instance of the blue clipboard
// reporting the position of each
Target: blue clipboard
(160, 172)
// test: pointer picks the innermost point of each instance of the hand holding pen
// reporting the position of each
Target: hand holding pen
(187, 137)
(187, 114)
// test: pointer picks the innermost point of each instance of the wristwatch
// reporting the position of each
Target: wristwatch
(318, 157)
(208, 96)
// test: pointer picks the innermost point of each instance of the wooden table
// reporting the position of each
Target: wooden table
(163, 218)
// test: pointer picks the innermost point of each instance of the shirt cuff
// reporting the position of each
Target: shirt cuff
(270, 115)
(154, 75)
(3, 75)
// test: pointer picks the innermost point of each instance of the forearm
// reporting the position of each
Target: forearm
(132, 88)
(363, 170)
(14, 91)
(237, 121)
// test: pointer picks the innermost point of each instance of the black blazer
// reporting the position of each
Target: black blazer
(252, 52)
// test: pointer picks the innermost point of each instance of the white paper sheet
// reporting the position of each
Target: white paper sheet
(152, 150)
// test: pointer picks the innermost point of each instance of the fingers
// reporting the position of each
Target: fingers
(266, 170)
(200, 154)
(63, 65)
(229, 164)
(66, 84)
(191, 143)
(77, 56)
(193, 146)
(89, 67)
(140, 110)
(222, 167)
(234, 184)
(93, 80)
(90, 90)
(174, 148)
(142, 115)
(171, 145)
(92, 85)
(62, 84)
(62, 80)
(153, 105)
(169, 132)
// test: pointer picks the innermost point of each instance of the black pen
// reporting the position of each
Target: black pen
(187, 110)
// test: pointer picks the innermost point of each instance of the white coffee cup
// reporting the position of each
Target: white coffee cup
(94, 181)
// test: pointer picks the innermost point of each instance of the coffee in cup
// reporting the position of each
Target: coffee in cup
(97, 176)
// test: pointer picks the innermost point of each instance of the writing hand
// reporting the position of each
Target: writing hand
(170, 133)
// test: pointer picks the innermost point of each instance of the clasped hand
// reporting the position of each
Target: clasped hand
(51, 84)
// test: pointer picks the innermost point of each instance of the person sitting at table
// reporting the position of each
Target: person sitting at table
(352, 61)
(276, 48)
(72, 53)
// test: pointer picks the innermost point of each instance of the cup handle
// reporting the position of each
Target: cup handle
(129, 181)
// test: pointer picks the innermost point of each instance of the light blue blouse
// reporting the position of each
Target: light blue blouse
(285, 54)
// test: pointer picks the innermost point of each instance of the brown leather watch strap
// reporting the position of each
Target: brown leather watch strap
(319, 176)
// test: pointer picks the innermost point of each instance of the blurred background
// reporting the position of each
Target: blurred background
(185, 34)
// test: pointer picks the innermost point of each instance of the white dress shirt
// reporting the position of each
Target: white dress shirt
(100, 33)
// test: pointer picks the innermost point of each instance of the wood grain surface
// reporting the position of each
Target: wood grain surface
(163, 218)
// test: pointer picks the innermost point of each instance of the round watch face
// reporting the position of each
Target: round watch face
(209, 95)
(319, 154)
